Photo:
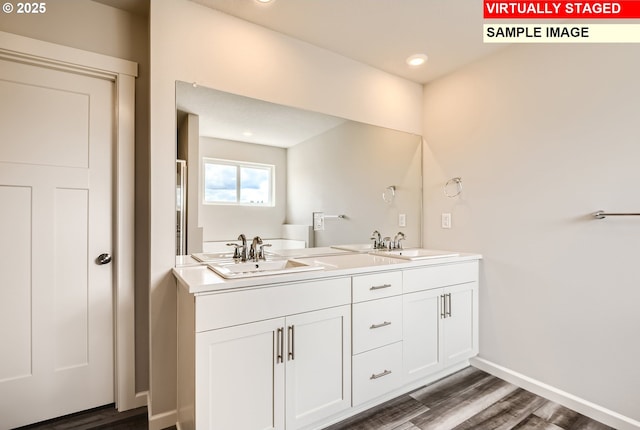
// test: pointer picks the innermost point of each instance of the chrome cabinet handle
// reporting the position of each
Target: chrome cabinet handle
(103, 259)
(379, 287)
(374, 326)
(445, 311)
(291, 343)
(280, 346)
(380, 375)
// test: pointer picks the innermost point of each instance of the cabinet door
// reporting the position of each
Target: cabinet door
(318, 370)
(422, 333)
(240, 380)
(460, 327)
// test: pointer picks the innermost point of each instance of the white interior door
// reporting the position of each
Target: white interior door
(56, 301)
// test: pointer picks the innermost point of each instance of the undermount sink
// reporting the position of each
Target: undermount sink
(261, 268)
(415, 254)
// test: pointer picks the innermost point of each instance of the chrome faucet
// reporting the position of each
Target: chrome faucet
(377, 239)
(240, 250)
(254, 253)
(397, 240)
(261, 252)
(244, 251)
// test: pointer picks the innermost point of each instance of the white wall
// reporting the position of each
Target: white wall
(345, 171)
(192, 43)
(542, 136)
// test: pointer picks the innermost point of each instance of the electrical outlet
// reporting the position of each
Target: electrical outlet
(402, 220)
(446, 220)
(318, 221)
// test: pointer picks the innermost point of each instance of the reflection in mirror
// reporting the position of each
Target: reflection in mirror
(333, 181)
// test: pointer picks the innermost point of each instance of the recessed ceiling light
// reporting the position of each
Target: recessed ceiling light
(247, 133)
(264, 1)
(417, 60)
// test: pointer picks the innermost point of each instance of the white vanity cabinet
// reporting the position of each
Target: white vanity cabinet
(319, 348)
(285, 372)
(440, 318)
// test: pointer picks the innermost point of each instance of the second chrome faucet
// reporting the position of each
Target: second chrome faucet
(386, 243)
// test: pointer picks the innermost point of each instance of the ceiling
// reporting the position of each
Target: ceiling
(137, 7)
(380, 33)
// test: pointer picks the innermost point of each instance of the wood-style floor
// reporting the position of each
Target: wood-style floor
(103, 418)
(470, 399)
(467, 400)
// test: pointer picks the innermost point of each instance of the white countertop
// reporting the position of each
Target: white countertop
(199, 279)
(308, 252)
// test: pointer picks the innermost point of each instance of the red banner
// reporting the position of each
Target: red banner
(518, 9)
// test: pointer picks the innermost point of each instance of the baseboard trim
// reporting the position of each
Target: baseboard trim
(141, 399)
(576, 403)
(163, 420)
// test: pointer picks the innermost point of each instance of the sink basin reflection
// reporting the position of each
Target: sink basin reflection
(205, 257)
(416, 253)
(261, 268)
(356, 247)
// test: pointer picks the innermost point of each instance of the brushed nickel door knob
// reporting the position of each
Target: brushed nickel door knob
(103, 259)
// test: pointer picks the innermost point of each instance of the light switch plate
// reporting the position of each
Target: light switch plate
(402, 220)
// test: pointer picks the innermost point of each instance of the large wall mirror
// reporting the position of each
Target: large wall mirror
(297, 179)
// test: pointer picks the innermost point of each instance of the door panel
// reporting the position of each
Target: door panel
(56, 312)
(70, 311)
(15, 295)
(37, 115)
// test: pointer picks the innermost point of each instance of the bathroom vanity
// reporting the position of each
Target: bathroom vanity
(306, 349)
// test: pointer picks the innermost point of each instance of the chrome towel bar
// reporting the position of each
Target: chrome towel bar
(603, 214)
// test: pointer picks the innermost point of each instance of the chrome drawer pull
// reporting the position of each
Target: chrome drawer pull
(379, 287)
(380, 325)
(380, 375)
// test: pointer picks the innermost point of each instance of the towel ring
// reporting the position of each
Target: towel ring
(389, 194)
(458, 182)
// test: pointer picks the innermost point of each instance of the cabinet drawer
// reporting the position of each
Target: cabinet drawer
(376, 286)
(376, 323)
(427, 278)
(239, 307)
(376, 372)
